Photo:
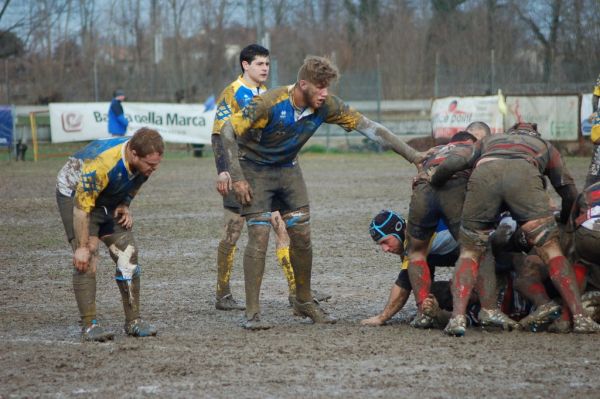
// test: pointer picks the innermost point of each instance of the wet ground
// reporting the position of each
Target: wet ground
(201, 352)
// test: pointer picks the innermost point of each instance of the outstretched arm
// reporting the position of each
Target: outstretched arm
(382, 135)
(398, 298)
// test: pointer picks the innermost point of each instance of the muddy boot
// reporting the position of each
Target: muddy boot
(422, 321)
(543, 315)
(140, 328)
(457, 326)
(314, 312)
(590, 301)
(560, 326)
(255, 323)
(495, 318)
(228, 303)
(95, 333)
(583, 324)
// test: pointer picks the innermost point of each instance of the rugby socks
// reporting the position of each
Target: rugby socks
(254, 266)
(301, 258)
(463, 282)
(580, 274)
(132, 310)
(283, 258)
(420, 279)
(225, 255)
(84, 286)
(565, 281)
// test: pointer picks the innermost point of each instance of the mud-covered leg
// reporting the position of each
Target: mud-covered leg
(124, 253)
(298, 227)
(543, 234)
(490, 314)
(259, 226)
(225, 255)
(473, 245)
(420, 279)
(282, 247)
(563, 323)
(84, 287)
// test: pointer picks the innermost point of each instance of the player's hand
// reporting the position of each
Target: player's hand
(373, 321)
(243, 192)
(223, 183)
(124, 216)
(81, 258)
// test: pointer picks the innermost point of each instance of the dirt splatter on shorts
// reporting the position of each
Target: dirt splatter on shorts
(428, 205)
(504, 184)
(274, 188)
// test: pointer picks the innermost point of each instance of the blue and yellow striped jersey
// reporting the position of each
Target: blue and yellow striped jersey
(232, 99)
(99, 176)
(272, 131)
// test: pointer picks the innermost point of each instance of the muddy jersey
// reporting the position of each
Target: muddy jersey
(99, 176)
(232, 99)
(271, 130)
(438, 154)
(537, 151)
(586, 212)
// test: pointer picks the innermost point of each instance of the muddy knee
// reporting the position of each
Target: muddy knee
(124, 253)
(234, 223)
(297, 224)
(259, 226)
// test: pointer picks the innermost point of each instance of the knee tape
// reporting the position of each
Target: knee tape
(260, 219)
(123, 251)
(297, 218)
(540, 231)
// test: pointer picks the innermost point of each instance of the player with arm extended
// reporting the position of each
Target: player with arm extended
(262, 143)
(254, 62)
(94, 190)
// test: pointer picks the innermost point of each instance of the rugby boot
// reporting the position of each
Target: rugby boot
(583, 324)
(495, 318)
(560, 326)
(96, 333)
(255, 323)
(314, 311)
(317, 296)
(228, 303)
(457, 326)
(422, 321)
(543, 315)
(140, 328)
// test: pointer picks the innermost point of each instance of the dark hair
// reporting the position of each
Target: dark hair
(462, 136)
(249, 53)
(479, 126)
(146, 141)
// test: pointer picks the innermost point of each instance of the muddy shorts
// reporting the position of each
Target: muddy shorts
(102, 222)
(231, 203)
(496, 185)
(274, 188)
(428, 205)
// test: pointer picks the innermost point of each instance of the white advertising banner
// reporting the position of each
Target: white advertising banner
(586, 112)
(450, 115)
(177, 123)
(556, 116)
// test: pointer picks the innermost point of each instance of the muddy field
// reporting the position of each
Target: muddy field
(201, 352)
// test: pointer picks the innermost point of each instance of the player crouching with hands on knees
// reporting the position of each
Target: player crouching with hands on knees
(94, 190)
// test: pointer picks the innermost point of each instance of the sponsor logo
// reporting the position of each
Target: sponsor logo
(72, 121)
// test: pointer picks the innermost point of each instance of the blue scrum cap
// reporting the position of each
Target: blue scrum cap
(385, 223)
